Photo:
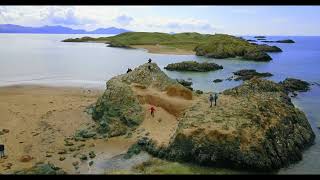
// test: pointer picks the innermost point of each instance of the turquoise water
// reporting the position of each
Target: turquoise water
(44, 59)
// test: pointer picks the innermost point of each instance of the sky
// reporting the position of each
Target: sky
(234, 20)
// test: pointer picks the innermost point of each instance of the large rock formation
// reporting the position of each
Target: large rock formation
(254, 126)
(119, 109)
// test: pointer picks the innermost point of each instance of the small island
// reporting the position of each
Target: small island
(280, 41)
(193, 66)
(260, 37)
(247, 74)
(219, 46)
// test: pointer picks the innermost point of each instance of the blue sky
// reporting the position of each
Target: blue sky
(236, 20)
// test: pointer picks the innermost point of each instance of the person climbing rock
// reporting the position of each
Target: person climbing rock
(211, 99)
(152, 109)
(1, 150)
(215, 99)
(129, 70)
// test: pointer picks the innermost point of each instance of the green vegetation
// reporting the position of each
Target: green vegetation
(216, 46)
(158, 166)
(43, 169)
(193, 66)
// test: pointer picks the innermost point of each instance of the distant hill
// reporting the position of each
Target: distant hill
(11, 28)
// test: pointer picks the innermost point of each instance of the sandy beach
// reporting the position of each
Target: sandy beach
(39, 119)
(158, 49)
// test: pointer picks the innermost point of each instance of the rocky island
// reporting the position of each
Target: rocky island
(247, 74)
(254, 126)
(213, 46)
(193, 66)
(280, 41)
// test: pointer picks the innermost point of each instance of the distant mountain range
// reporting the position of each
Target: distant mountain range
(11, 28)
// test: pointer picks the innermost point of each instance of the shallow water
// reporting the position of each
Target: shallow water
(44, 59)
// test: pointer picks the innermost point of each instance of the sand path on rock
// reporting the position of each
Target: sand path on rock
(163, 125)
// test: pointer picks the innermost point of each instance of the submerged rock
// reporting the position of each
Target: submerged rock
(247, 74)
(260, 37)
(193, 66)
(217, 80)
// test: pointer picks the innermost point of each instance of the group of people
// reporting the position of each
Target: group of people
(152, 109)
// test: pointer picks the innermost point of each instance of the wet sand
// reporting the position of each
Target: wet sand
(40, 118)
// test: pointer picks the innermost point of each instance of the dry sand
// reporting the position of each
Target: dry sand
(158, 49)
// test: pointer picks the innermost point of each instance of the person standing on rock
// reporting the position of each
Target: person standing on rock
(1, 150)
(149, 61)
(211, 99)
(215, 99)
(152, 110)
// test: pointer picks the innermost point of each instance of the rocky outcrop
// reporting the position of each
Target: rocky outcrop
(285, 41)
(193, 66)
(119, 110)
(280, 41)
(261, 37)
(185, 83)
(247, 74)
(217, 80)
(254, 126)
(292, 85)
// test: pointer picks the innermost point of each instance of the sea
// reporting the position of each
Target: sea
(43, 59)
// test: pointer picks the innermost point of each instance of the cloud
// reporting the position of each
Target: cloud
(123, 20)
(66, 17)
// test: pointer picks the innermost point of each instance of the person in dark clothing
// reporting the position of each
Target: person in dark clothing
(152, 109)
(1, 150)
(215, 99)
(211, 99)
(149, 61)
(129, 70)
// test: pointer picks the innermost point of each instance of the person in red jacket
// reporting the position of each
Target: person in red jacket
(152, 110)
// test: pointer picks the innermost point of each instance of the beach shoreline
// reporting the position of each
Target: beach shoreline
(39, 119)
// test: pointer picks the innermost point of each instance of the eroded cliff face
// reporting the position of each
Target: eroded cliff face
(254, 126)
(120, 109)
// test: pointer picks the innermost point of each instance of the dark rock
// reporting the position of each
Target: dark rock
(83, 157)
(199, 92)
(256, 55)
(261, 37)
(247, 74)
(92, 154)
(292, 85)
(217, 80)
(285, 41)
(193, 66)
